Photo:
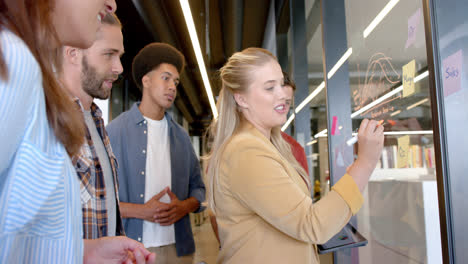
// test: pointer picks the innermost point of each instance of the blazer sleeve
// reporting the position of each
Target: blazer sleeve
(261, 183)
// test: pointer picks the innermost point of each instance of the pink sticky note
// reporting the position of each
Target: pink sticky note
(452, 70)
(413, 25)
(334, 125)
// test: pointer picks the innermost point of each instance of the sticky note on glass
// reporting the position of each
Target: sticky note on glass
(413, 25)
(403, 149)
(452, 70)
(408, 78)
(335, 130)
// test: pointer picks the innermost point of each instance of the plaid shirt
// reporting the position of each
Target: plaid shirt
(93, 189)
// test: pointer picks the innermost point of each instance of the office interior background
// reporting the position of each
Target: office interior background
(400, 61)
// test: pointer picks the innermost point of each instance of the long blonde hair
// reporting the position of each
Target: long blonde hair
(236, 77)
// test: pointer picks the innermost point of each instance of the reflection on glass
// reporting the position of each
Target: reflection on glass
(316, 101)
(388, 82)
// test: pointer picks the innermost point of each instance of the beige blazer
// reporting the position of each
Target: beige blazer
(263, 207)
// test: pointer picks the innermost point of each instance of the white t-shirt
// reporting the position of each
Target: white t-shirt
(158, 177)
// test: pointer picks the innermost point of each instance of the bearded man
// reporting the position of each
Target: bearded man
(89, 74)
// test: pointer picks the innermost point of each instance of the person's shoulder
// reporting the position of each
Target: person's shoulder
(10, 40)
(16, 53)
(178, 129)
(117, 128)
(119, 121)
(245, 143)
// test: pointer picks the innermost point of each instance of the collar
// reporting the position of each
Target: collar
(246, 126)
(95, 110)
(137, 116)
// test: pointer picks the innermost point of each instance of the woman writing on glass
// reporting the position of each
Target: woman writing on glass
(40, 210)
(258, 190)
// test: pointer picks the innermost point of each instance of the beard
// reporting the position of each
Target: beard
(92, 81)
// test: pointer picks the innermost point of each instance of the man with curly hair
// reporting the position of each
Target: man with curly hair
(159, 173)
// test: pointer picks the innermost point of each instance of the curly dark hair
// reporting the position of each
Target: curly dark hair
(153, 55)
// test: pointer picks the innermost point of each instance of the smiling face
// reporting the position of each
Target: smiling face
(101, 64)
(160, 86)
(77, 21)
(265, 102)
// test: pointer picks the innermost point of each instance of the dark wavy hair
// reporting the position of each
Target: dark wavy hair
(31, 20)
(288, 81)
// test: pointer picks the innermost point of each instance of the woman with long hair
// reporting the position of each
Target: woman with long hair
(40, 210)
(257, 189)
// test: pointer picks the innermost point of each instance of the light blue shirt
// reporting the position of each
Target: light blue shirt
(40, 210)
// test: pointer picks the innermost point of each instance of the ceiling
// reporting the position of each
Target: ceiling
(223, 27)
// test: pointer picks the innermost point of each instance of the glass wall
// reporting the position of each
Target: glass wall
(316, 102)
(388, 81)
(376, 66)
(450, 45)
(312, 100)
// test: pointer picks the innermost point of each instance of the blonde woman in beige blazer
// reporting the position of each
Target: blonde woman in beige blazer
(258, 191)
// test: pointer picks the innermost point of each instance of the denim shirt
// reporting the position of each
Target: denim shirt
(128, 136)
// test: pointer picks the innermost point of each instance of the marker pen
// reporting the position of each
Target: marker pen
(354, 139)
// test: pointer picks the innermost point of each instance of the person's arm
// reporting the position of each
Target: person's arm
(116, 250)
(18, 96)
(214, 226)
(180, 208)
(260, 182)
(131, 210)
(370, 140)
(197, 188)
(175, 210)
(144, 211)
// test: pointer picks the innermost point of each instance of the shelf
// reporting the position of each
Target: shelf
(407, 174)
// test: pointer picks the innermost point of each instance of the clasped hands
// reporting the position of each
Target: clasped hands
(162, 213)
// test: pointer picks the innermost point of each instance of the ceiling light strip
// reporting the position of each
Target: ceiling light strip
(421, 76)
(397, 133)
(416, 132)
(391, 93)
(365, 108)
(340, 62)
(196, 47)
(322, 133)
(310, 97)
(290, 119)
(417, 103)
(377, 101)
(379, 17)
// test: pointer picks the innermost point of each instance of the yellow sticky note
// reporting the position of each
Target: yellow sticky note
(403, 149)
(408, 78)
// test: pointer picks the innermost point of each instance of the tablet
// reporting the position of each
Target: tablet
(348, 237)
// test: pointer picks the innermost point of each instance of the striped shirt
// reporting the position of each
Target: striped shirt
(40, 211)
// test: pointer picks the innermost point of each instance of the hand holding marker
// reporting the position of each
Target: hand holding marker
(354, 139)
